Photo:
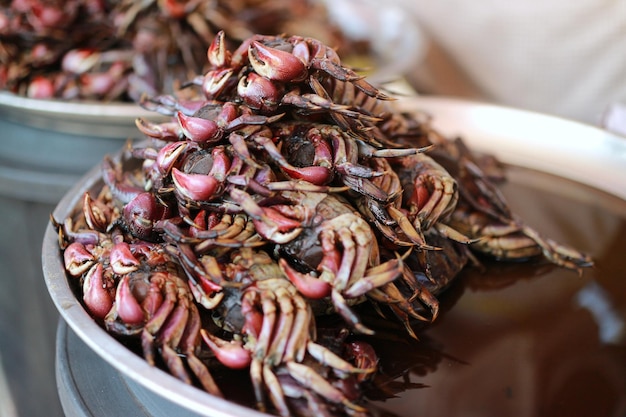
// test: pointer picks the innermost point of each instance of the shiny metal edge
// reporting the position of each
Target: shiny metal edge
(72, 109)
(576, 151)
(84, 119)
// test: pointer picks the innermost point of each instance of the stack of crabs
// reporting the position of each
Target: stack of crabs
(289, 188)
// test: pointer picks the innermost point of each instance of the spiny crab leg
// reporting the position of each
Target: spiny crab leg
(112, 176)
(157, 321)
(311, 379)
(189, 346)
(375, 277)
(413, 231)
(341, 306)
(337, 363)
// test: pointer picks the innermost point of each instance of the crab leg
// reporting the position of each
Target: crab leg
(327, 357)
(375, 277)
(284, 327)
(340, 304)
(156, 322)
(300, 334)
(189, 344)
(311, 379)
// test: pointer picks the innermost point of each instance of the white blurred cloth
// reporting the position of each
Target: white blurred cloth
(560, 57)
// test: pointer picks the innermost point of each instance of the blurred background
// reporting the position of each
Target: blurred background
(547, 56)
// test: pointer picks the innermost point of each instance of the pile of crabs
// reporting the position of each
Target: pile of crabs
(117, 50)
(286, 189)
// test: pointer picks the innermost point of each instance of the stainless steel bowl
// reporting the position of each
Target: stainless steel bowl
(48, 145)
(572, 150)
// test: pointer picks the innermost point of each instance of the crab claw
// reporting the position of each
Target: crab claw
(165, 131)
(318, 175)
(274, 226)
(275, 64)
(231, 354)
(97, 215)
(199, 187)
(80, 61)
(198, 129)
(268, 222)
(308, 285)
(217, 53)
(311, 379)
(258, 92)
(214, 81)
(40, 88)
(128, 309)
(77, 259)
(96, 295)
(122, 259)
(169, 154)
(141, 213)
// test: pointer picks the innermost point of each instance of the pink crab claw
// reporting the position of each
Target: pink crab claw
(217, 53)
(308, 285)
(231, 354)
(97, 215)
(169, 154)
(364, 356)
(199, 187)
(214, 81)
(122, 259)
(174, 8)
(317, 175)
(197, 129)
(258, 92)
(275, 64)
(128, 309)
(140, 214)
(79, 61)
(77, 259)
(153, 299)
(43, 16)
(40, 88)
(274, 226)
(268, 222)
(96, 296)
(203, 186)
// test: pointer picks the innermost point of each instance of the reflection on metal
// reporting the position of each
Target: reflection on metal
(7, 406)
(611, 324)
